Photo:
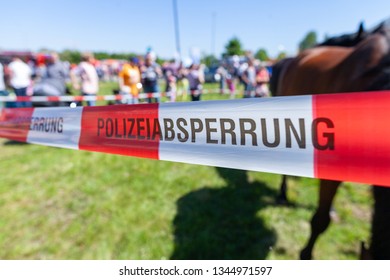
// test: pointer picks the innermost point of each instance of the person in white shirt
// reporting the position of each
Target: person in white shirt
(20, 79)
(89, 79)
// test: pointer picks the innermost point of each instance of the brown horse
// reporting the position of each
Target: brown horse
(335, 69)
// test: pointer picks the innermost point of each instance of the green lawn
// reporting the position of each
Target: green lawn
(64, 204)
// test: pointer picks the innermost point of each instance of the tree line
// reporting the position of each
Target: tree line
(232, 47)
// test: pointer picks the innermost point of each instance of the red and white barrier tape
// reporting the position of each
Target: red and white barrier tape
(70, 98)
(337, 136)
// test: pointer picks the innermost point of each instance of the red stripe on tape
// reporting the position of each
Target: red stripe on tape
(15, 123)
(361, 135)
(78, 98)
(53, 98)
(120, 129)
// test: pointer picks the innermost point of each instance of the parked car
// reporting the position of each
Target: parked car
(211, 75)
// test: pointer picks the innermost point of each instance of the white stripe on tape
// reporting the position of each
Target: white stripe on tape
(58, 127)
(262, 138)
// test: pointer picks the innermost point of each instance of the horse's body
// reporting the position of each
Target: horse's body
(325, 69)
(335, 69)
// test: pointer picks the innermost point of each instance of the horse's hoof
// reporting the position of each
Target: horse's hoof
(304, 255)
(365, 253)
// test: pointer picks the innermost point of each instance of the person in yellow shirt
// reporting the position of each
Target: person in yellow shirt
(129, 80)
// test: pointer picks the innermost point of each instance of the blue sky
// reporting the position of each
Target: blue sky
(132, 26)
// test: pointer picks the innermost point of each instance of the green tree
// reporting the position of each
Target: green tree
(281, 55)
(105, 55)
(101, 55)
(233, 47)
(309, 41)
(73, 56)
(160, 60)
(209, 60)
(45, 50)
(262, 55)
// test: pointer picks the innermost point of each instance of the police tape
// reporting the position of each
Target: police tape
(70, 98)
(332, 136)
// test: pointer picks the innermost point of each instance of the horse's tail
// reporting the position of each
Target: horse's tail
(277, 70)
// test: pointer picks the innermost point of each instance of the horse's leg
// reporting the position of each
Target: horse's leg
(380, 229)
(321, 218)
(282, 198)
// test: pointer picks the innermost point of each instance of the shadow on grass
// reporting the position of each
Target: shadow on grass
(13, 142)
(223, 223)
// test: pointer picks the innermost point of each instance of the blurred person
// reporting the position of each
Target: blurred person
(105, 69)
(182, 85)
(85, 78)
(222, 72)
(195, 78)
(56, 73)
(41, 65)
(3, 90)
(129, 79)
(170, 74)
(150, 73)
(20, 79)
(53, 82)
(231, 80)
(171, 86)
(240, 71)
(151, 53)
(262, 80)
(249, 79)
(38, 66)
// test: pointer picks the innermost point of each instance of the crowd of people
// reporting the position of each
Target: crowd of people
(49, 76)
(40, 76)
(251, 73)
(137, 74)
(143, 74)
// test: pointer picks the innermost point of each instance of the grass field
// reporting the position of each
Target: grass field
(65, 204)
